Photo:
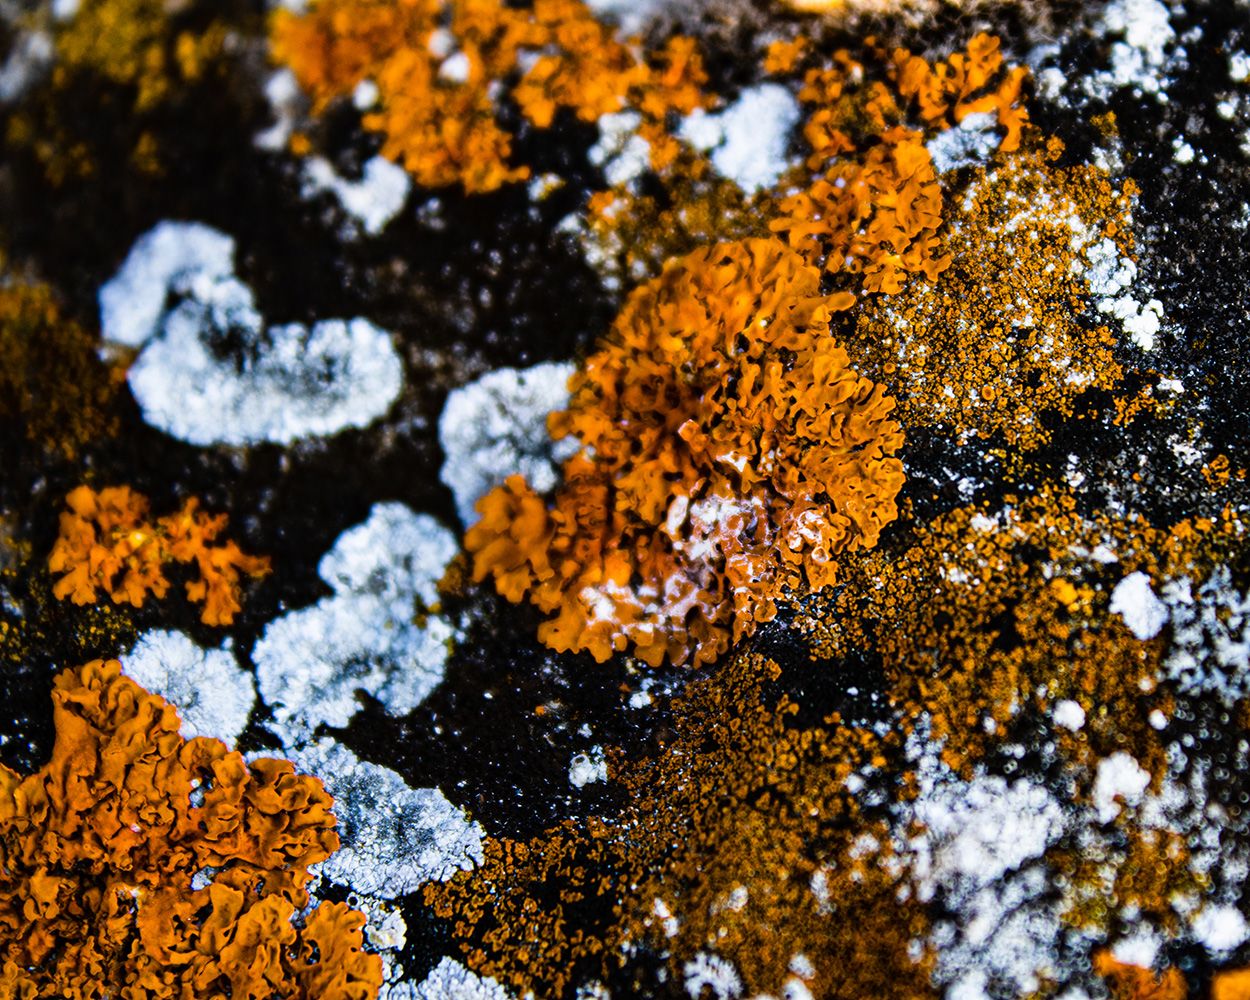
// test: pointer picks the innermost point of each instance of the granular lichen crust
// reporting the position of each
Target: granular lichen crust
(54, 391)
(1014, 306)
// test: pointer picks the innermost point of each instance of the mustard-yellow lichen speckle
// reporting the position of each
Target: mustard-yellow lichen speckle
(53, 387)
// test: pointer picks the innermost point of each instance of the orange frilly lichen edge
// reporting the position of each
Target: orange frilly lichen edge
(729, 453)
(107, 542)
(100, 851)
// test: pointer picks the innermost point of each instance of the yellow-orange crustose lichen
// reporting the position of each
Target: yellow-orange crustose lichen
(730, 455)
(1231, 984)
(147, 50)
(137, 864)
(737, 840)
(439, 66)
(866, 205)
(53, 387)
(989, 610)
(1133, 982)
(1010, 332)
(107, 542)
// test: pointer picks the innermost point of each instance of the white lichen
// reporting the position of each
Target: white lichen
(373, 634)
(587, 767)
(497, 426)
(213, 694)
(749, 139)
(979, 853)
(373, 201)
(176, 298)
(707, 971)
(394, 838)
(1135, 602)
(970, 142)
(449, 980)
(1120, 781)
(1210, 648)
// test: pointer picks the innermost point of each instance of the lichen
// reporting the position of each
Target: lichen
(737, 843)
(439, 68)
(107, 542)
(139, 55)
(730, 455)
(138, 864)
(53, 387)
(1009, 334)
(991, 609)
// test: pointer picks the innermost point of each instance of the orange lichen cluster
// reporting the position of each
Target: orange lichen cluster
(1132, 982)
(630, 235)
(1231, 984)
(138, 864)
(53, 387)
(439, 66)
(730, 455)
(1009, 333)
(989, 610)
(874, 206)
(866, 205)
(736, 840)
(971, 82)
(107, 542)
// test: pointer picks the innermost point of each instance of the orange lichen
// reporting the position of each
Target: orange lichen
(1231, 984)
(136, 43)
(52, 384)
(140, 54)
(138, 864)
(1142, 871)
(971, 82)
(439, 67)
(1132, 982)
(874, 206)
(866, 205)
(877, 216)
(107, 543)
(784, 54)
(730, 455)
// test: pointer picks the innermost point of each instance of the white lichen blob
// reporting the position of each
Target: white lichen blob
(709, 972)
(177, 300)
(212, 693)
(588, 766)
(748, 140)
(373, 201)
(980, 853)
(366, 636)
(969, 143)
(497, 426)
(1210, 648)
(167, 261)
(1139, 606)
(449, 980)
(395, 838)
